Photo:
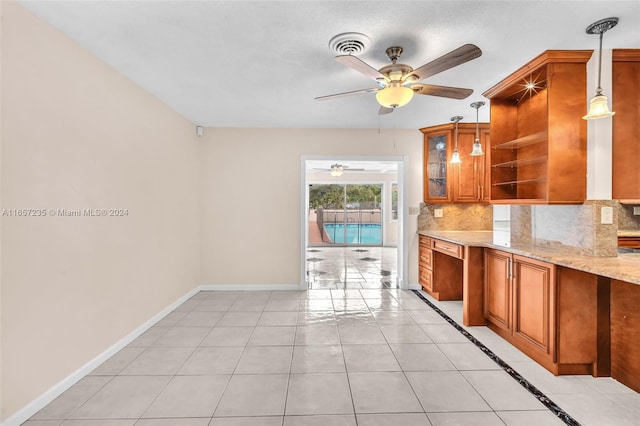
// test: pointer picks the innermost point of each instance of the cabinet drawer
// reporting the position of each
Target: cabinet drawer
(424, 242)
(451, 249)
(426, 258)
(425, 278)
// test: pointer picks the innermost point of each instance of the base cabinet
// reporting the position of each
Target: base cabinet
(441, 268)
(519, 302)
(625, 333)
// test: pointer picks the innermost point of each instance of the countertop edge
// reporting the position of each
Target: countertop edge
(609, 267)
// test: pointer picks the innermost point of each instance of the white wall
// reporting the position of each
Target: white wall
(251, 196)
(77, 135)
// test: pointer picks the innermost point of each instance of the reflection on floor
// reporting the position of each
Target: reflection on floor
(352, 267)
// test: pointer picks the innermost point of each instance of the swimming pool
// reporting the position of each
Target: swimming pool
(364, 233)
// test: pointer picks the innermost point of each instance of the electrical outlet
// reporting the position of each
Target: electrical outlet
(438, 212)
(636, 211)
(606, 215)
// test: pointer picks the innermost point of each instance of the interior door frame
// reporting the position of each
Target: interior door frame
(403, 238)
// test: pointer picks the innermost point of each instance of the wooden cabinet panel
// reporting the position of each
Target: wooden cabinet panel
(625, 70)
(460, 183)
(425, 263)
(533, 302)
(440, 274)
(497, 290)
(538, 138)
(625, 333)
(451, 249)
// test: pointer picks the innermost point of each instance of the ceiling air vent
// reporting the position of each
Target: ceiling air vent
(349, 44)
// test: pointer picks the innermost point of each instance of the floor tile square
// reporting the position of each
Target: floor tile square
(183, 336)
(208, 360)
(254, 395)
(355, 334)
(123, 397)
(421, 357)
(407, 333)
(398, 419)
(228, 336)
(501, 392)
(443, 333)
(87, 422)
(367, 357)
(320, 420)
(158, 361)
(317, 335)
(278, 318)
(202, 421)
(216, 305)
(467, 356)
(291, 305)
(318, 359)
(74, 397)
(319, 393)
(271, 336)
(386, 392)
(239, 319)
(188, 396)
(445, 391)
(118, 362)
(316, 318)
(247, 421)
(265, 360)
(529, 418)
(483, 418)
(200, 319)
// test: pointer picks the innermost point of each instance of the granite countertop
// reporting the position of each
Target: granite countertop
(627, 233)
(624, 267)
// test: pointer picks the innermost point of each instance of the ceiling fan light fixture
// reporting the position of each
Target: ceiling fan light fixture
(394, 95)
(336, 170)
(598, 106)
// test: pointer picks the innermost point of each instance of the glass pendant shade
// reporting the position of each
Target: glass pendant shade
(455, 157)
(394, 95)
(477, 148)
(336, 170)
(598, 108)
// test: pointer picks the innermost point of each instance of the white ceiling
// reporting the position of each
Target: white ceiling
(261, 63)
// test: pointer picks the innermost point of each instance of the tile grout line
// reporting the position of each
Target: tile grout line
(552, 406)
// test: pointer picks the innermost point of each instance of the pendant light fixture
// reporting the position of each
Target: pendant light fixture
(598, 106)
(477, 148)
(455, 157)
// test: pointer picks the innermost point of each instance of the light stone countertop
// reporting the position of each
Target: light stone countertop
(624, 267)
(624, 233)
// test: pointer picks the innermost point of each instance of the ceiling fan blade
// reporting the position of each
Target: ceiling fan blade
(442, 91)
(353, 92)
(385, 110)
(452, 59)
(362, 67)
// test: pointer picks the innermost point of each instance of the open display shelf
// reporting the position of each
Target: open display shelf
(538, 136)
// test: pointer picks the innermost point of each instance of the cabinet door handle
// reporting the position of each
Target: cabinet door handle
(509, 267)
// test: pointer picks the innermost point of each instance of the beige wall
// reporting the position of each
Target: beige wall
(251, 196)
(76, 134)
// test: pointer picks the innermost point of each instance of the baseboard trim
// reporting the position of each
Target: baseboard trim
(37, 404)
(415, 286)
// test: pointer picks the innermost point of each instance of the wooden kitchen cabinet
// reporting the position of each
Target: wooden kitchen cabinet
(519, 302)
(460, 183)
(440, 268)
(625, 70)
(538, 137)
(625, 333)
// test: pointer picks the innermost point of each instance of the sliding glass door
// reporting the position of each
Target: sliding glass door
(345, 215)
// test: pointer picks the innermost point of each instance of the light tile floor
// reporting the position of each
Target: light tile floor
(324, 357)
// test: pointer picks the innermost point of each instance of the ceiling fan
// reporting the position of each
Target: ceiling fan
(397, 82)
(338, 169)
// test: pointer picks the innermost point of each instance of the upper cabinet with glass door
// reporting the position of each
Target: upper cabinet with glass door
(459, 183)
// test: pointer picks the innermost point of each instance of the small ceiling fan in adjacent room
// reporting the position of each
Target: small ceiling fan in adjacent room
(337, 169)
(397, 83)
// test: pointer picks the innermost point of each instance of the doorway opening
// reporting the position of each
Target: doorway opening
(352, 223)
